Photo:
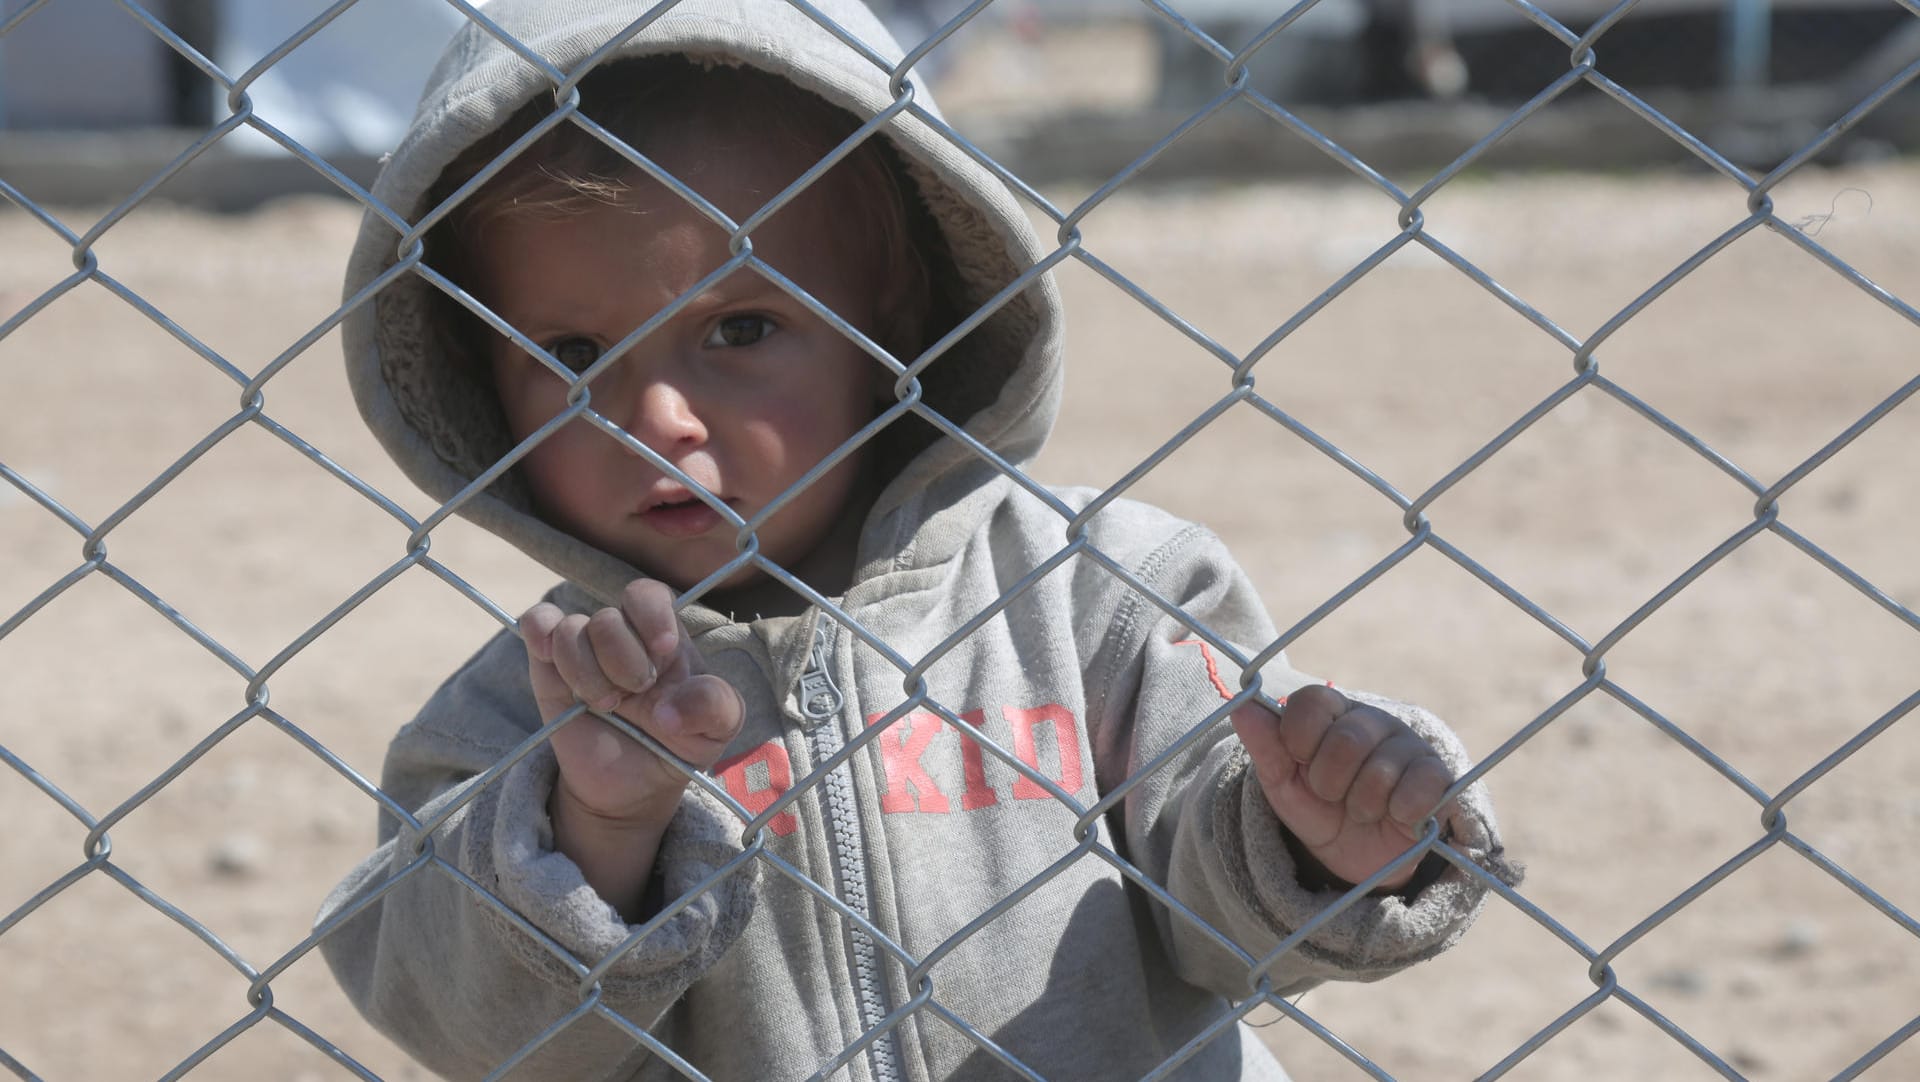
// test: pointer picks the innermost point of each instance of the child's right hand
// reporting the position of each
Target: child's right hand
(635, 661)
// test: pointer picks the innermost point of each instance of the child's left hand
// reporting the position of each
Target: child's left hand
(1351, 782)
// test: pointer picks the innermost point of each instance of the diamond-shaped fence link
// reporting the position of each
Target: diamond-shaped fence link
(406, 542)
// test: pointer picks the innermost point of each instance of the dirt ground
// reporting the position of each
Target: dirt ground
(1769, 660)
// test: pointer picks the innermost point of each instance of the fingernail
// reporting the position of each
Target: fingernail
(665, 715)
(608, 704)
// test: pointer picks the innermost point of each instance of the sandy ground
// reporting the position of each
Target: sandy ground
(1769, 660)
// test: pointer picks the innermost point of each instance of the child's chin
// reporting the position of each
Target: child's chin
(743, 576)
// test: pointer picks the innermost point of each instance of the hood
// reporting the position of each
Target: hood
(1001, 383)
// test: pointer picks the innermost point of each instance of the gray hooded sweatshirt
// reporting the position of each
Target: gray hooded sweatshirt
(923, 909)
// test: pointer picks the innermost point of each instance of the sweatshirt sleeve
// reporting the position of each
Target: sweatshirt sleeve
(462, 986)
(1200, 825)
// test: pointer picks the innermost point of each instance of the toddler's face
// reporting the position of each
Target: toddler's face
(743, 388)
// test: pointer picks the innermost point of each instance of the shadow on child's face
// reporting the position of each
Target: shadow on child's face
(736, 383)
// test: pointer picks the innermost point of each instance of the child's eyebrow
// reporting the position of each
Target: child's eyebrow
(573, 314)
(547, 321)
(743, 286)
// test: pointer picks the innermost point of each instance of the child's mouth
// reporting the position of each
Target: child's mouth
(681, 518)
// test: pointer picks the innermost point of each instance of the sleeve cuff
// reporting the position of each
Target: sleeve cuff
(516, 860)
(1373, 936)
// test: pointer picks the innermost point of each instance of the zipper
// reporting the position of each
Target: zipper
(820, 697)
(820, 701)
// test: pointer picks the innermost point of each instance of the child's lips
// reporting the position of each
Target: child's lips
(682, 518)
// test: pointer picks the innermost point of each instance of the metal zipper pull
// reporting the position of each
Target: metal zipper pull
(819, 697)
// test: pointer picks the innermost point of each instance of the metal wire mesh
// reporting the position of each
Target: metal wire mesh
(1237, 391)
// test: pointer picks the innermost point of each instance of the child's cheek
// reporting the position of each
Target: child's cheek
(574, 476)
(776, 439)
(529, 395)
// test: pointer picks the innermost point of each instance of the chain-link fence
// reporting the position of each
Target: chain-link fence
(1667, 564)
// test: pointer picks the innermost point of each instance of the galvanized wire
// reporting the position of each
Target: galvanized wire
(1585, 65)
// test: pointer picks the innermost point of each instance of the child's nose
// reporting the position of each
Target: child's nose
(664, 418)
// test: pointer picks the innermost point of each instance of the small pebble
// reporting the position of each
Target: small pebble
(236, 856)
(331, 826)
(1687, 982)
(236, 782)
(1799, 937)
(1580, 729)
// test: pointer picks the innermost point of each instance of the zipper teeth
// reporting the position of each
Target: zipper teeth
(842, 822)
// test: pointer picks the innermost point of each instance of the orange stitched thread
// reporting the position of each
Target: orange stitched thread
(1213, 668)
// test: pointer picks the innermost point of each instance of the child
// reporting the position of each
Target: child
(1042, 853)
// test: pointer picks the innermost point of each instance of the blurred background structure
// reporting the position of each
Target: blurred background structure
(1397, 82)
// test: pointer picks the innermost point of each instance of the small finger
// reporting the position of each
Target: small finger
(1348, 743)
(1418, 794)
(536, 629)
(1259, 731)
(698, 718)
(617, 648)
(1381, 774)
(648, 605)
(1307, 715)
(551, 692)
(573, 655)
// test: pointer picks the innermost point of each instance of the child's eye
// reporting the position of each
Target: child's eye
(736, 331)
(577, 354)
